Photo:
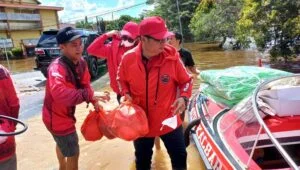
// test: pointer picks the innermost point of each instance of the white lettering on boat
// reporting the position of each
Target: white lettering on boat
(208, 149)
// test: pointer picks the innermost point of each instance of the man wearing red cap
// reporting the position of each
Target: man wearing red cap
(113, 51)
(68, 84)
(9, 106)
(149, 75)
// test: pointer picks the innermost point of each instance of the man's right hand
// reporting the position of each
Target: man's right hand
(112, 33)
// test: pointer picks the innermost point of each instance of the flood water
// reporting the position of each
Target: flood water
(114, 154)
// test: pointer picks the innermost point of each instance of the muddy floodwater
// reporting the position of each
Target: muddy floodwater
(36, 147)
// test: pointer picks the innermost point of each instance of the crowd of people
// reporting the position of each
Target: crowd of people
(146, 65)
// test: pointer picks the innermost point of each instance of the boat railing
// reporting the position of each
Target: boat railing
(264, 127)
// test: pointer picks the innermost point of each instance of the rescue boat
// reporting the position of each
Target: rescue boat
(245, 136)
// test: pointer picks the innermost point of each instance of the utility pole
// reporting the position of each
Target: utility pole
(179, 19)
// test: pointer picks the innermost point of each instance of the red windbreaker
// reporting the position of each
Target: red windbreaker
(9, 106)
(154, 85)
(62, 96)
(112, 52)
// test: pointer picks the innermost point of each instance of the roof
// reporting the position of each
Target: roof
(31, 6)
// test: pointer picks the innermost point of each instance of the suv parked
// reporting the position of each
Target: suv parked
(47, 50)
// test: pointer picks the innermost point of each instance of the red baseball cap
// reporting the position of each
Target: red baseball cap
(130, 29)
(155, 27)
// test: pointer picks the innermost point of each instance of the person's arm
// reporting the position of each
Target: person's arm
(85, 81)
(98, 48)
(121, 78)
(185, 82)
(190, 64)
(11, 97)
(62, 93)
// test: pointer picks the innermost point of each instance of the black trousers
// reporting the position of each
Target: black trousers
(174, 142)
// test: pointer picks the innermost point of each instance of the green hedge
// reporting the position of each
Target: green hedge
(17, 52)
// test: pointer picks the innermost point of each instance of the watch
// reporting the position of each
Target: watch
(186, 100)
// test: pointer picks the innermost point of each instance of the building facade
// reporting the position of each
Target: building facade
(23, 21)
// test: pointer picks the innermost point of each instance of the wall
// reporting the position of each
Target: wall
(17, 36)
(3, 35)
(49, 20)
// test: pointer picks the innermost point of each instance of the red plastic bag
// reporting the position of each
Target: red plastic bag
(130, 122)
(90, 127)
(105, 123)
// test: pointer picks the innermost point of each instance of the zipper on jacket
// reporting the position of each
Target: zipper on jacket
(145, 62)
(157, 85)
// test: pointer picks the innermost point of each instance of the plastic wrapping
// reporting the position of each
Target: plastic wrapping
(130, 122)
(90, 127)
(105, 124)
(230, 86)
(127, 121)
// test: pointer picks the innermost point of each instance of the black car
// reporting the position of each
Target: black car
(47, 50)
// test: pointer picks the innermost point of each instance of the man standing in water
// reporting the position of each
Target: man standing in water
(68, 85)
(9, 106)
(150, 75)
(113, 51)
(175, 40)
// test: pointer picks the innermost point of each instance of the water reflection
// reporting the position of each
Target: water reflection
(210, 56)
(20, 65)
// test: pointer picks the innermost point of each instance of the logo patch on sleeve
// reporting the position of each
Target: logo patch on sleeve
(165, 78)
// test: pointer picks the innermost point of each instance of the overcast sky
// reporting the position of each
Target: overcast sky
(74, 10)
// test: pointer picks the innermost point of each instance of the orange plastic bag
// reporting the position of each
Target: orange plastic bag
(90, 127)
(105, 123)
(130, 122)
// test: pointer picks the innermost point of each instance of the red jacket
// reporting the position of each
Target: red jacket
(155, 88)
(9, 106)
(62, 96)
(112, 52)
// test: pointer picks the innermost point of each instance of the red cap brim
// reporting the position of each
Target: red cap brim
(123, 32)
(162, 35)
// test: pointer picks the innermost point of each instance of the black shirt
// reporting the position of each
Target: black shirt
(186, 57)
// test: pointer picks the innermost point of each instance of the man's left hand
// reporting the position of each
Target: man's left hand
(179, 106)
(97, 106)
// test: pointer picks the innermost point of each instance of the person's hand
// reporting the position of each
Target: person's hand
(126, 98)
(97, 106)
(105, 97)
(178, 106)
(112, 33)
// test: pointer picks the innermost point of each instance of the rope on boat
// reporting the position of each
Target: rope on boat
(25, 127)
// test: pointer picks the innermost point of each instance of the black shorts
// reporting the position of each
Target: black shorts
(67, 144)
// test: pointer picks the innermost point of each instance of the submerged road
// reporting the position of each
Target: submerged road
(30, 87)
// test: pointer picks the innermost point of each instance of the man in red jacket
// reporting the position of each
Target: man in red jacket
(9, 106)
(68, 85)
(149, 75)
(113, 51)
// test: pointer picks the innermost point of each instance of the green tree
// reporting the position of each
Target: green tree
(213, 20)
(272, 23)
(167, 9)
(84, 24)
(119, 23)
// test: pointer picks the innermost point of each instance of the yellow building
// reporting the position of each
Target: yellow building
(23, 21)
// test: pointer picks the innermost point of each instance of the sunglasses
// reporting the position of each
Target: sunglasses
(162, 41)
(126, 38)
